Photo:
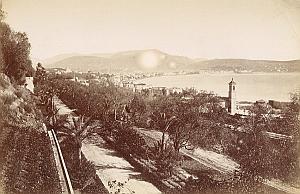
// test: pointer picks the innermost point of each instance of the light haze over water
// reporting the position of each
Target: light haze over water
(250, 87)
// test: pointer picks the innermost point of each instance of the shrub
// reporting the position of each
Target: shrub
(131, 142)
(165, 160)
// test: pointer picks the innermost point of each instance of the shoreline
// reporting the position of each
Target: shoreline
(250, 87)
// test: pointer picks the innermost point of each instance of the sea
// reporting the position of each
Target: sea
(249, 87)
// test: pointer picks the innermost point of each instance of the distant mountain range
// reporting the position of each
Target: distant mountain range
(157, 61)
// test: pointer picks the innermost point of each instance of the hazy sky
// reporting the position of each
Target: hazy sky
(254, 29)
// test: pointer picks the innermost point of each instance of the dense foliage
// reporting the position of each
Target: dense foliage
(27, 162)
(261, 155)
(14, 53)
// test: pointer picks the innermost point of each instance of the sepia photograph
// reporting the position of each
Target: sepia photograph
(149, 96)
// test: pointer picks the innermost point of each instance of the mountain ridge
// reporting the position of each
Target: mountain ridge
(153, 60)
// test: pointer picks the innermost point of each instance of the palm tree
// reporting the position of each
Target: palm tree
(72, 135)
(162, 123)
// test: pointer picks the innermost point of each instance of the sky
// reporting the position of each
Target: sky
(251, 29)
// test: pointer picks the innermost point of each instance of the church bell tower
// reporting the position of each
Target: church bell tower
(232, 97)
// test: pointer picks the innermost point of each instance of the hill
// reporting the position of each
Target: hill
(247, 65)
(57, 58)
(157, 61)
(138, 61)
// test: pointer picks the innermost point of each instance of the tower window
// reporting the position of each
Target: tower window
(233, 88)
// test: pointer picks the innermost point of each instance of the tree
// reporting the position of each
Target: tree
(71, 136)
(137, 107)
(258, 154)
(162, 122)
(40, 75)
(2, 16)
(182, 134)
(290, 154)
(292, 116)
(15, 50)
(186, 126)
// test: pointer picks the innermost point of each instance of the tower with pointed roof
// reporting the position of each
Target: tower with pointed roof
(232, 97)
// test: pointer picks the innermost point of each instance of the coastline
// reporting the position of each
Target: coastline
(250, 87)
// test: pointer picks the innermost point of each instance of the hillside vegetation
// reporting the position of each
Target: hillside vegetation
(26, 158)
